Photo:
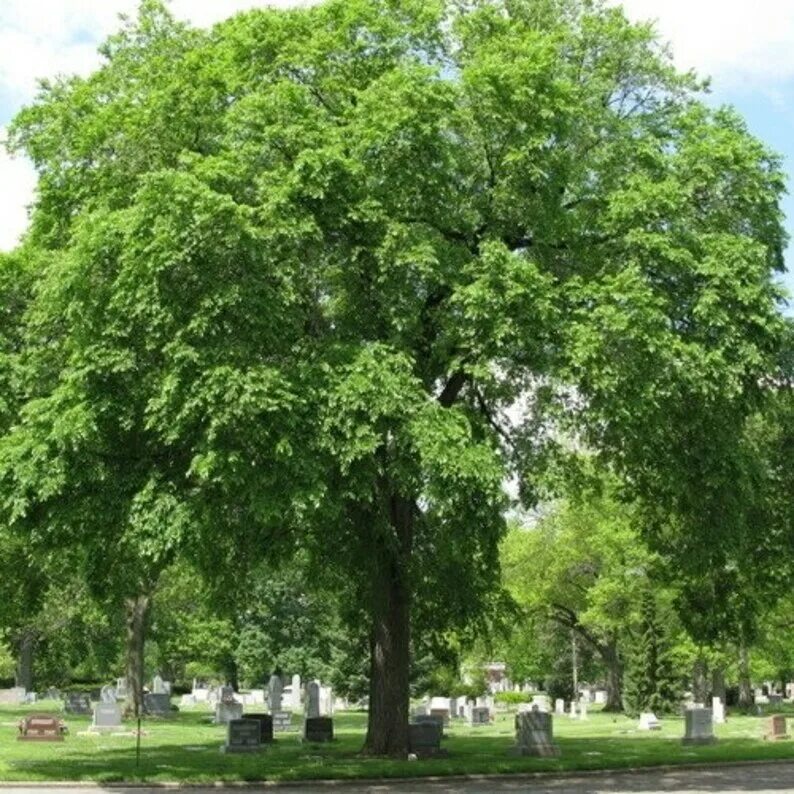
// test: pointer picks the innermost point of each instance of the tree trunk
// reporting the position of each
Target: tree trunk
(390, 658)
(746, 699)
(23, 674)
(614, 701)
(137, 609)
(718, 683)
(699, 681)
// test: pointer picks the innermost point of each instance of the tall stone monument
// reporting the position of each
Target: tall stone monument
(274, 694)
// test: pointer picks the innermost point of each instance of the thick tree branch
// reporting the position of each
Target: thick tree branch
(453, 388)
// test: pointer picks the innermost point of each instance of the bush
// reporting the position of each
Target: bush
(512, 698)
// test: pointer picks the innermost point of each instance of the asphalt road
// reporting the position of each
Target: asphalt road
(757, 778)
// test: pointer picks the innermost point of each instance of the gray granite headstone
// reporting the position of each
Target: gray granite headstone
(107, 717)
(424, 739)
(534, 734)
(226, 712)
(157, 704)
(77, 703)
(274, 694)
(265, 726)
(243, 736)
(108, 694)
(480, 715)
(318, 729)
(282, 721)
(312, 700)
(699, 727)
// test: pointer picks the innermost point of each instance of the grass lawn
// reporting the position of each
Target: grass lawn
(186, 748)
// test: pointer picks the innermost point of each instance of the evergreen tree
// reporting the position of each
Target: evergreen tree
(650, 683)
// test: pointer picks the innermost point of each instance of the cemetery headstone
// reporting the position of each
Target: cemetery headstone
(296, 692)
(776, 728)
(699, 727)
(559, 706)
(480, 715)
(573, 713)
(718, 709)
(424, 739)
(534, 735)
(243, 736)
(157, 704)
(187, 700)
(274, 694)
(318, 729)
(440, 706)
(41, 728)
(649, 722)
(282, 721)
(435, 719)
(542, 702)
(121, 688)
(600, 696)
(583, 710)
(108, 694)
(312, 700)
(225, 712)
(226, 694)
(77, 703)
(775, 699)
(265, 726)
(157, 686)
(14, 696)
(107, 717)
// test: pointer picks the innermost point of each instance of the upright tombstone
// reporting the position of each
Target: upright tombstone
(108, 694)
(296, 693)
(282, 721)
(718, 709)
(158, 687)
(534, 734)
(559, 707)
(265, 726)
(157, 704)
(424, 739)
(583, 710)
(107, 717)
(776, 728)
(41, 728)
(440, 707)
(541, 702)
(573, 713)
(318, 729)
(227, 707)
(274, 693)
(121, 689)
(600, 696)
(649, 722)
(312, 700)
(480, 715)
(699, 726)
(77, 703)
(326, 701)
(243, 736)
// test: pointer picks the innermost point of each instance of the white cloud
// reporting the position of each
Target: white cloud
(740, 43)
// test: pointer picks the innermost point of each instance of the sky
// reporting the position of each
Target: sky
(746, 48)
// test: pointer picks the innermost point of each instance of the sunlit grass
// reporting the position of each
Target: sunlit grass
(187, 748)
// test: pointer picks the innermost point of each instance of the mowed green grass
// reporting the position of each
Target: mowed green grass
(187, 748)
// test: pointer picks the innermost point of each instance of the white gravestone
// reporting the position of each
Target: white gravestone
(312, 700)
(542, 702)
(559, 706)
(572, 713)
(274, 694)
(296, 693)
(108, 694)
(107, 716)
(583, 710)
(718, 709)
(600, 696)
(649, 722)
(157, 686)
(326, 701)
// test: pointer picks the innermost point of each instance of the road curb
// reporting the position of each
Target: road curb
(517, 777)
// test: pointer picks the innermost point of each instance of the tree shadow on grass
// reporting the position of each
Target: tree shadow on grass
(201, 761)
